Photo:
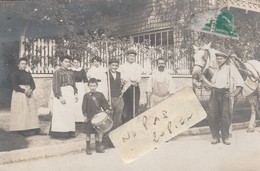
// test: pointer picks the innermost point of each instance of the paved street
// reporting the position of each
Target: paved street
(183, 154)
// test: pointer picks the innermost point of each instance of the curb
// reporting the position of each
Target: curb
(76, 147)
(206, 130)
(40, 152)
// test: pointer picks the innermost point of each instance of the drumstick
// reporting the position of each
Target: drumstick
(133, 101)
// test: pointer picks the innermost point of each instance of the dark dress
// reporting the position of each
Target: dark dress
(81, 79)
(23, 109)
(63, 121)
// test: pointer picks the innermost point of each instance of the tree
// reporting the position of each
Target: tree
(180, 12)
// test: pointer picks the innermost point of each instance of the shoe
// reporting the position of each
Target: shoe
(88, 150)
(100, 148)
(226, 141)
(40, 133)
(215, 141)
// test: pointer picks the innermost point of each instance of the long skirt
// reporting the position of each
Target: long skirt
(63, 118)
(79, 117)
(23, 112)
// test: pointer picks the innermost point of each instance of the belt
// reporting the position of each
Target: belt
(219, 90)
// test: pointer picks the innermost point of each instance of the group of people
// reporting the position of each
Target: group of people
(80, 95)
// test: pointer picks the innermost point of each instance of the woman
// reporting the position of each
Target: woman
(81, 79)
(65, 97)
(23, 118)
(99, 73)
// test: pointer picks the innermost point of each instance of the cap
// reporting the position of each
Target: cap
(113, 60)
(221, 54)
(131, 51)
(93, 80)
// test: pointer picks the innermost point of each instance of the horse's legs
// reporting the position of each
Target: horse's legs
(253, 106)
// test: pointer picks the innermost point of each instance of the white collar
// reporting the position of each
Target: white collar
(76, 69)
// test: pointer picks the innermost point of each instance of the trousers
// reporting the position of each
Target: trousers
(219, 113)
(128, 101)
(117, 107)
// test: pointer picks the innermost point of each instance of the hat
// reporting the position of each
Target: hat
(131, 51)
(221, 54)
(113, 60)
(93, 80)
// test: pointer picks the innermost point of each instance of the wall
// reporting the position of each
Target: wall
(43, 87)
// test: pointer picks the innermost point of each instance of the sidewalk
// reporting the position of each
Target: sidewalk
(182, 154)
(44, 146)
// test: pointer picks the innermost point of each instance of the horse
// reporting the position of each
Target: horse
(205, 65)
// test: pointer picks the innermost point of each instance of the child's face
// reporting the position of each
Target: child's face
(76, 63)
(92, 87)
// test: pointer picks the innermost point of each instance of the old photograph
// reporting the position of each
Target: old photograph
(129, 85)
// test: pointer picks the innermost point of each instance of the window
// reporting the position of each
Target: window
(136, 39)
(170, 37)
(141, 39)
(158, 39)
(163, 38)
(152, 38)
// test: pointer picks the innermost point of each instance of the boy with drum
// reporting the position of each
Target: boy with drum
(93, 103)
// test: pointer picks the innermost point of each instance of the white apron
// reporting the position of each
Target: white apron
(23, 112)
(160, 92)
(63, 119)
(79, 117)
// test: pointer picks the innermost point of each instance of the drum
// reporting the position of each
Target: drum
(102, 122)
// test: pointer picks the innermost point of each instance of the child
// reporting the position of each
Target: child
(92, 104)
(116, 93)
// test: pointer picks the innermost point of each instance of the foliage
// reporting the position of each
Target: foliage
(180, 12)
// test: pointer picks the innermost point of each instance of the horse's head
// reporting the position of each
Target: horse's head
(200, 60)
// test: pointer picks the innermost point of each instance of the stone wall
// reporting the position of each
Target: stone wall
(42, 91)
(43, 88)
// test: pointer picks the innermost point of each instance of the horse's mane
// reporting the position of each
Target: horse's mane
(239, 65)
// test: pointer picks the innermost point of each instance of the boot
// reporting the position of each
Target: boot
(99, 148)
(226, 141)
(88, 149)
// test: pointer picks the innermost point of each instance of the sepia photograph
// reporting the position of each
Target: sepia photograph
(129, 85)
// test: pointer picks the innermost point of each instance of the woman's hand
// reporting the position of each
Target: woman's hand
(62, 100)
(76, 98)
(28, 92)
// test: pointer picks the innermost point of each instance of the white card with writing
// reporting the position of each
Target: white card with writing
(157, 125)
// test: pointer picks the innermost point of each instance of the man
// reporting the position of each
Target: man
(223, 81)
(131, 74)
(160, 85)
(115, 90)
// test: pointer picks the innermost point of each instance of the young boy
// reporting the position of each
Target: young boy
(92, 104)
(116, 97)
